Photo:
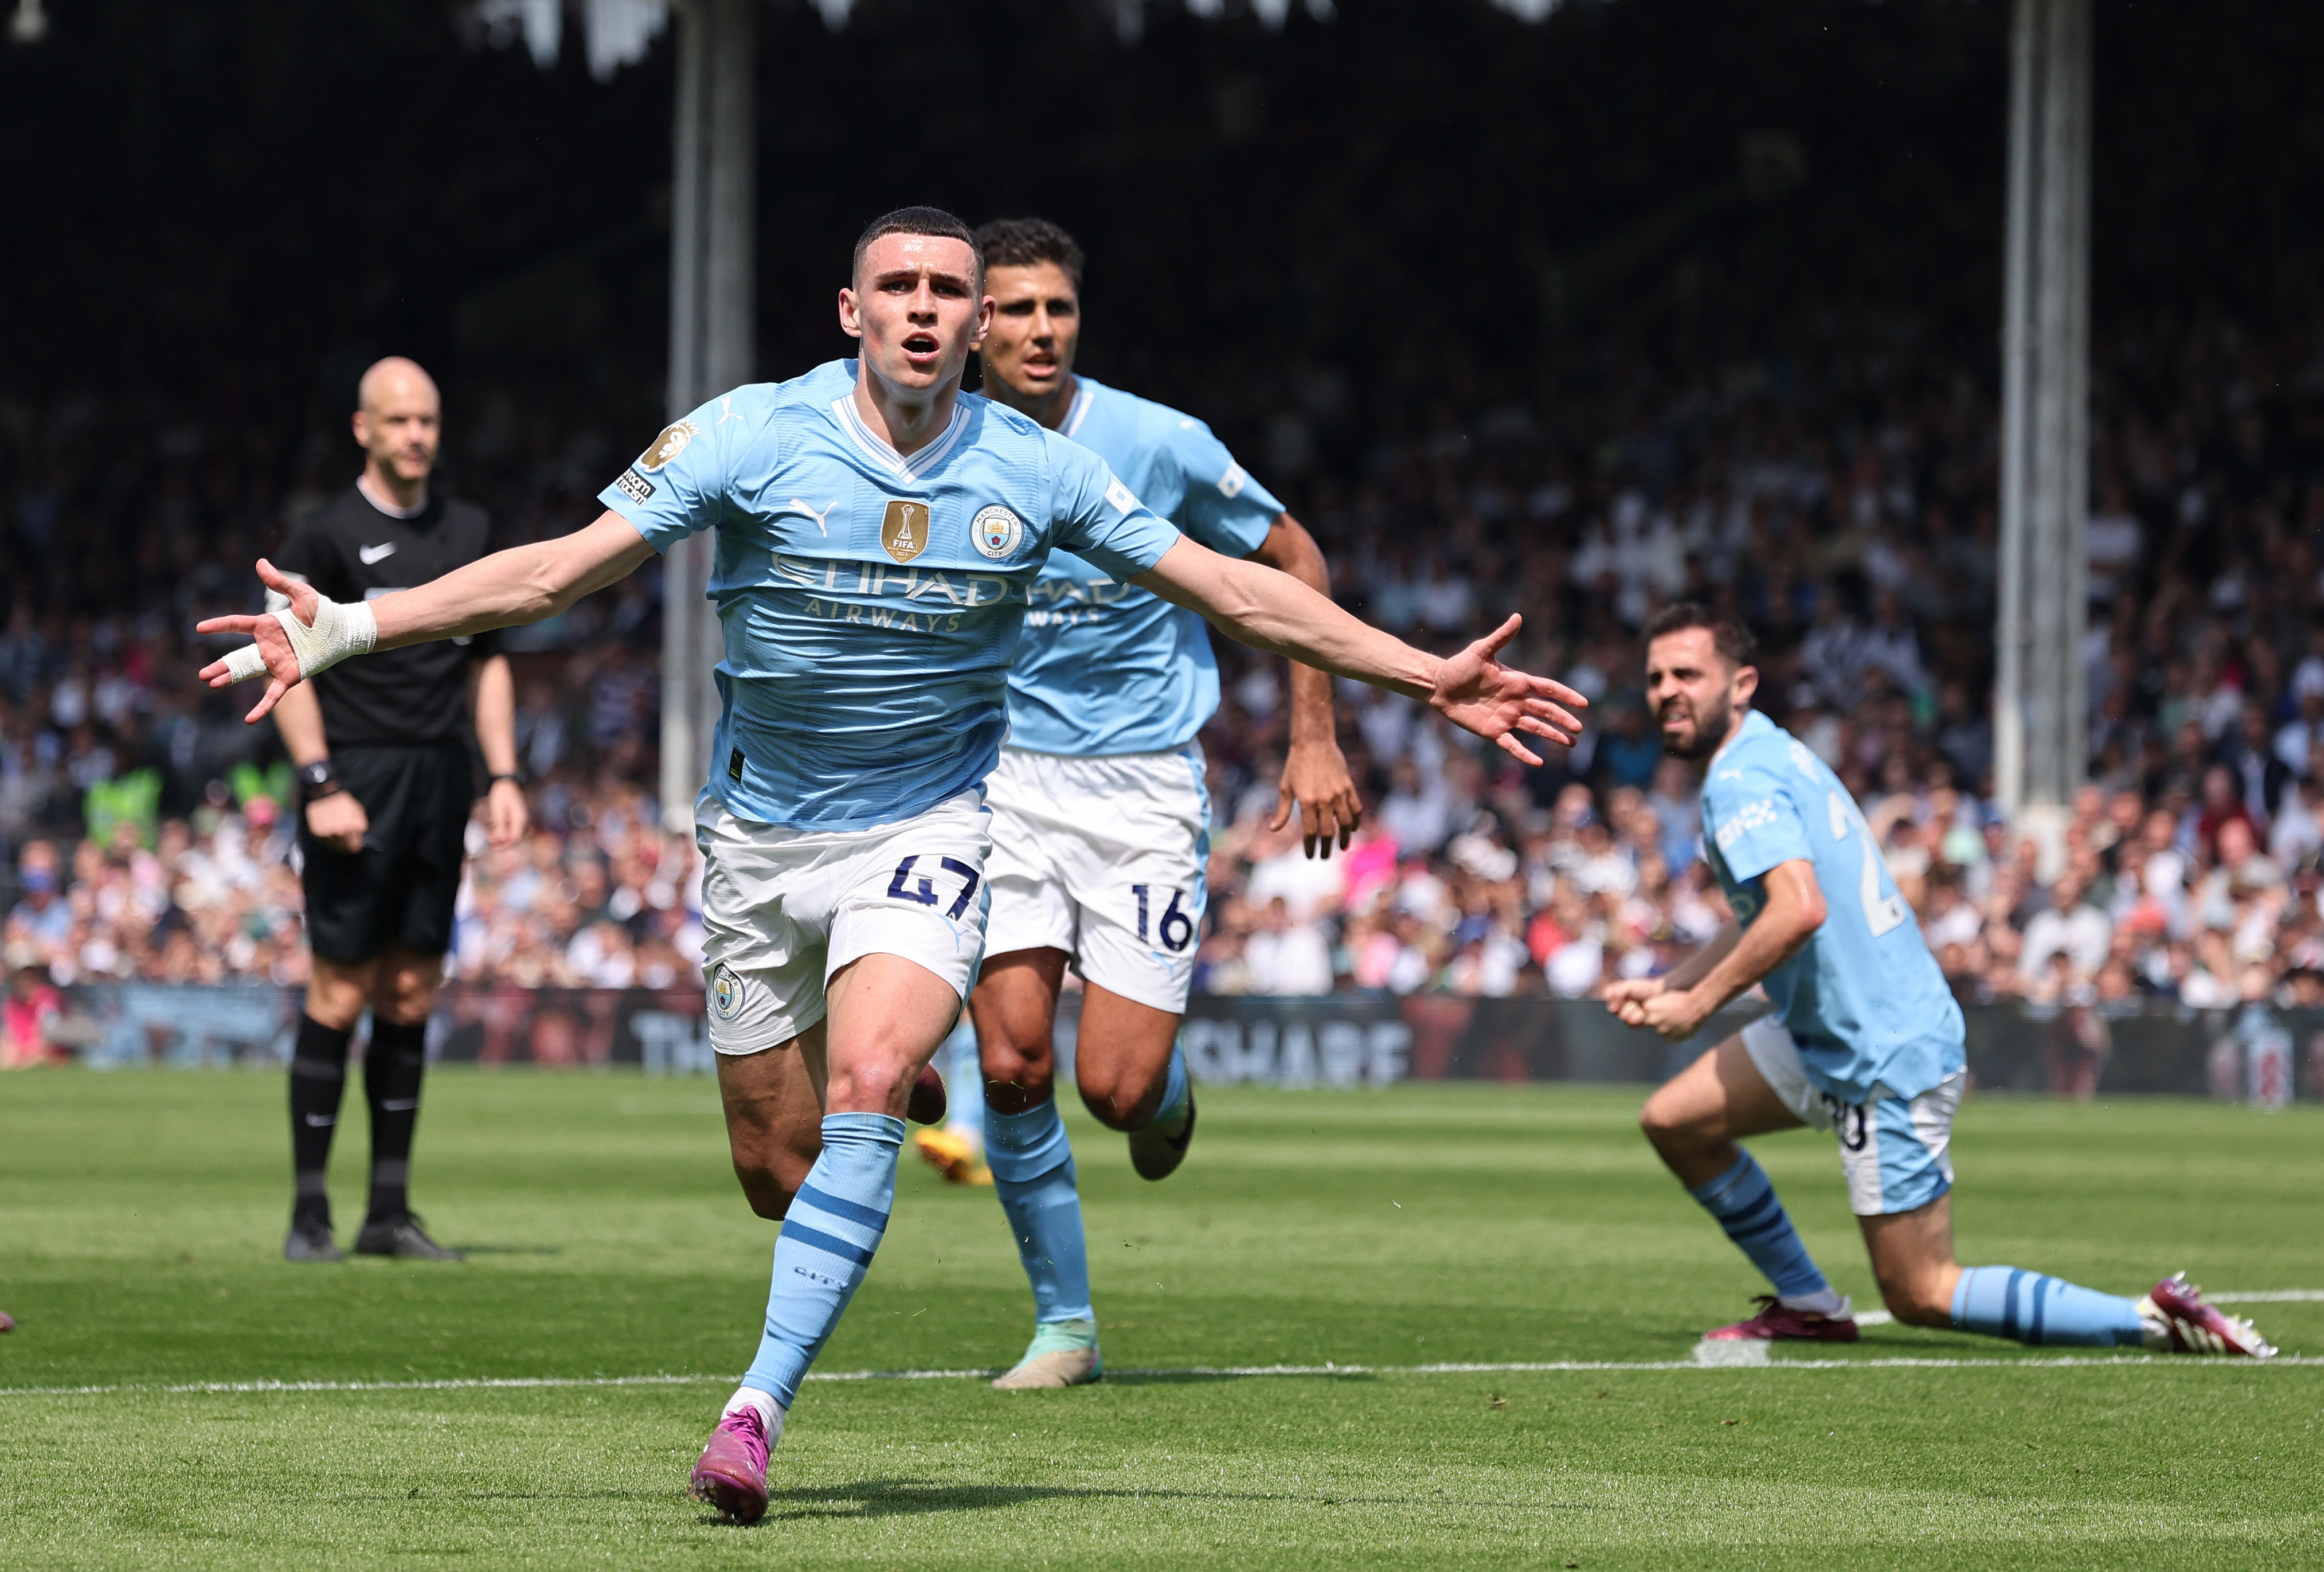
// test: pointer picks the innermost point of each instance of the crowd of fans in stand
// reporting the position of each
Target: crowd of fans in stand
(1849, 515)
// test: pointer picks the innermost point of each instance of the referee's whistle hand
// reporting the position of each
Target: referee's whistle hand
(338, 821)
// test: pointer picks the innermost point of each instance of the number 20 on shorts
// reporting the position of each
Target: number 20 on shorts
(1172, 939)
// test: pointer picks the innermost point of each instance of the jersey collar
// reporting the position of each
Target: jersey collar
(1753, 723)
(883, 453)
(1080, 407)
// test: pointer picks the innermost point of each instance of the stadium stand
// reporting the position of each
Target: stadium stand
(1795, 422)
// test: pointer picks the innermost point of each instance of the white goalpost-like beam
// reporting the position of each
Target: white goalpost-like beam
(2041, 698)
(712, 331)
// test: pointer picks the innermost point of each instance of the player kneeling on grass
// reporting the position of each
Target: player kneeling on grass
(878, 534)
(1866, 1040)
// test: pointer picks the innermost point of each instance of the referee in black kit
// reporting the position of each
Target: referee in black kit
(380, 752)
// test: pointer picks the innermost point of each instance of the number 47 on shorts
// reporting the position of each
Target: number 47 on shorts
(907, 886)
(1175, 930)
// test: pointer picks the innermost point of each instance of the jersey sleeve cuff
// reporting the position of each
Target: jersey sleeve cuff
(650, 530)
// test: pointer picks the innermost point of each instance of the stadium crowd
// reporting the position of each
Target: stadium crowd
(1846, 516)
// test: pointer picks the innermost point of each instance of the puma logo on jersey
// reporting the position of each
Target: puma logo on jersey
(370, 554)
(821, 516)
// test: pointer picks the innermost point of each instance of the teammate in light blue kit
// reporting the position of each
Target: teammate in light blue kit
(1099, 818)
(877, 532)
(1866, 1039)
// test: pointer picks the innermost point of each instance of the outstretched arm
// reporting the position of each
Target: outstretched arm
(1315, 778)
(1275, 612)
(524, 584)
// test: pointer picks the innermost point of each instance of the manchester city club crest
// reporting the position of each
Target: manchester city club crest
(996, 532)
(726, 995)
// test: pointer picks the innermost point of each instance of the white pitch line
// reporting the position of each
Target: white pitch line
(2274, 1296)
(1194, 1372)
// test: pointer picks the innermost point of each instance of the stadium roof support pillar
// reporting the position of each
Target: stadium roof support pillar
(2040, 710)
(712, 335)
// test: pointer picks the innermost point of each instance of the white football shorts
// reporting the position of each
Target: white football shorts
(1103, 859)
(782, 910)
(1896, 1152)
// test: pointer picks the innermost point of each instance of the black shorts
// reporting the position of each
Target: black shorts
(400, 888)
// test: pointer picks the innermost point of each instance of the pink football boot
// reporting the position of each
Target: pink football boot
(732, 1474)
(1774, 1323)
(2179, 1321)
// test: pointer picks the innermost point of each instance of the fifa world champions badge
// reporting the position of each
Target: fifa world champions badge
(904, 530)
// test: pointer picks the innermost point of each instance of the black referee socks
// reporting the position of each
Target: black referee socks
(318, 1073)
(392, 1071)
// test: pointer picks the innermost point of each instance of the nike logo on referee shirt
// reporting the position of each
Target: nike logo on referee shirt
(370, 554)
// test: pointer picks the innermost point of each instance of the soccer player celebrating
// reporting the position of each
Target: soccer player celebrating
(1864, 1040)
(878, 534)
(1101, 823)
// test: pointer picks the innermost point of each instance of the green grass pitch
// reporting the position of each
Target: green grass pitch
(140, 1216)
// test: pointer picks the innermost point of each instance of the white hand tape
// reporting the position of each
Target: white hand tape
(340, 631)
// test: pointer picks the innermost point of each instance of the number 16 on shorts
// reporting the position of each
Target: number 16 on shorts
(1173, 931)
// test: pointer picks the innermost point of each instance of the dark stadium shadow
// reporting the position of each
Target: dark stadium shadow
(885, 1498)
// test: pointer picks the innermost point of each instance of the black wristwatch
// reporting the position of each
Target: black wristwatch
(498, 779)
(319, 779)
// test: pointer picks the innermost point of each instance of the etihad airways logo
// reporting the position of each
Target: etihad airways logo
(947, 586)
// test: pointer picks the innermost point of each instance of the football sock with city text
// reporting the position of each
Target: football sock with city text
(833, 1226)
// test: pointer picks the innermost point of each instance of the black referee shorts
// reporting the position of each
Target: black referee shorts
(400, 888)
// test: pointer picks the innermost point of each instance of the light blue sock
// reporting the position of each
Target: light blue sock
(1743, 1199)
(1032, 1165)
(1173, 1090)
(2002, 1302)
(834, 1225)
(963, 1076)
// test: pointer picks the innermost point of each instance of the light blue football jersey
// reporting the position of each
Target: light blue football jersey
(1863, 998)
(1105, 668)
(871, 602)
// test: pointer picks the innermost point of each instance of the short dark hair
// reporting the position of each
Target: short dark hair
(1023, 242)
(916, 221)
(1729, 637)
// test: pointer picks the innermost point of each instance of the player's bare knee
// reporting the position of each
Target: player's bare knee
(1017, 1097)
(1916, 1301)
(1120, 1102)
(1005, 1064)
(767, 1190)
(874, 1085)
(1671, 1131)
